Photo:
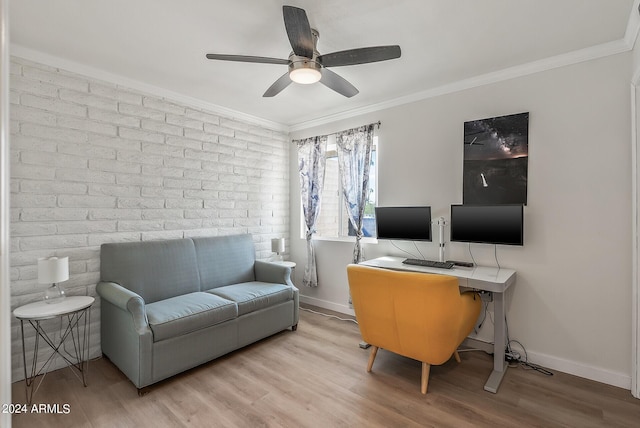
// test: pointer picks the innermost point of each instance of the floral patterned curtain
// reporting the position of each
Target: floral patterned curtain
(354, 160)
(311, 163)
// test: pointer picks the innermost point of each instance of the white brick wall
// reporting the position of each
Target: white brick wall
(94, 162)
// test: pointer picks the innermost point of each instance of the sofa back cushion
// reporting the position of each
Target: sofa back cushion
(156, 270)
(225, 260)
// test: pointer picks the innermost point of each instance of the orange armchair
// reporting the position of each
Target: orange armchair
(416, 315)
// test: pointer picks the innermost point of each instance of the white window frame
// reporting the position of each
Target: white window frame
(342, 217)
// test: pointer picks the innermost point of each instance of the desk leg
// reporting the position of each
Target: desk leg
(499, 345)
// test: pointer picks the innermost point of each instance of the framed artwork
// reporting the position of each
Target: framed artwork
(496, 155)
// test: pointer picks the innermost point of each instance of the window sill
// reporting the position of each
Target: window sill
(351, 239)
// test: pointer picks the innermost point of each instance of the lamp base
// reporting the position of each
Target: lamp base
(276, 258)
(54, 294)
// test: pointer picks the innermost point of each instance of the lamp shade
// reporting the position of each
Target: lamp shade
(53, 270)
(277, 245)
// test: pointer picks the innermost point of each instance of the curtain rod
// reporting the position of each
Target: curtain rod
(369, 124)
(378, 123)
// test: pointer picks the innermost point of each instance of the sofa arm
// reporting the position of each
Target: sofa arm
(272, 272)
(126, 300)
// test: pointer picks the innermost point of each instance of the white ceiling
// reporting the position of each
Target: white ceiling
(162, 43)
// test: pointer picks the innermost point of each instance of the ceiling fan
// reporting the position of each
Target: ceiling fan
(305, 63)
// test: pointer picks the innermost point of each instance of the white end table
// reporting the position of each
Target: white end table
(292, 265)
(72, 309)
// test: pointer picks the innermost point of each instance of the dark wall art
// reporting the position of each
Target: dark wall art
(496, 154)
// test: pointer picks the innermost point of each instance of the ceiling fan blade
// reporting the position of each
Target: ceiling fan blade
(277, 87)
(339, 84)
(298, 30)
(245, 58)
(360, 56)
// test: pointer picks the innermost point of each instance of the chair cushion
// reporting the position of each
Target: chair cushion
(254, 295)
(183, 314)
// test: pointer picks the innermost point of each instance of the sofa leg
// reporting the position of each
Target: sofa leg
(294, 327)
(143, 391)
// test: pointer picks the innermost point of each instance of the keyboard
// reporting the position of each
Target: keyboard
(428, 263)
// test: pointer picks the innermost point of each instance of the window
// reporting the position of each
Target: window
(333, 221)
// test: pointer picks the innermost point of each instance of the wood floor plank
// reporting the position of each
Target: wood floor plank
(316, 377)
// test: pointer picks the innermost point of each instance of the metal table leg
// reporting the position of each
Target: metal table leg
(77, 361)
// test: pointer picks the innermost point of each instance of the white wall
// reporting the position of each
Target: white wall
(5, 317)
(93, 162)
(571, 306)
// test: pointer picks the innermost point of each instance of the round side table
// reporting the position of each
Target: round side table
(292, 265)
(73, 310)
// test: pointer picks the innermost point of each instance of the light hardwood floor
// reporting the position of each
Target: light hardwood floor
(316, 377)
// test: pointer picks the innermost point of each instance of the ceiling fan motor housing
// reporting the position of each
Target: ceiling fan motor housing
(304, 70)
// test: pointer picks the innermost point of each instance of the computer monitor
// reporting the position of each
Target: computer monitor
(488, 224)
(404, 223)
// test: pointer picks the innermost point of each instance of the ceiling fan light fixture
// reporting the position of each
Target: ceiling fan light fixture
(304, 70)
(305, 76)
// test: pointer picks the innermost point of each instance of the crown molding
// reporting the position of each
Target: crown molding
(625, 44)
(54, 61)
(633, 25)
(563, 60)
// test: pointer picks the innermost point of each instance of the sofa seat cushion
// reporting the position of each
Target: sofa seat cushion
(254, 295)
(183, 314)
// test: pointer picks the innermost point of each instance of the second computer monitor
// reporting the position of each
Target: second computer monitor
(487, 224)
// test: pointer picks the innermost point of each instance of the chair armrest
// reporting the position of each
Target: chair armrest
(272, 272)
(126, 300)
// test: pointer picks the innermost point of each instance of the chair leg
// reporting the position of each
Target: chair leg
(456, 356)
(425, 377)
(372, 356)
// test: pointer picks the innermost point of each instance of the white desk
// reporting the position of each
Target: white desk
(481, 278)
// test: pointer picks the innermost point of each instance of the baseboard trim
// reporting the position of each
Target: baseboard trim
(598, 374)
(325, 304)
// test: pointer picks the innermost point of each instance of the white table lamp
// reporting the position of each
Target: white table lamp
(53, 270)
(277, 246)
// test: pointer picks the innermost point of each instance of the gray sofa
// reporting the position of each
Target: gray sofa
(168, 306)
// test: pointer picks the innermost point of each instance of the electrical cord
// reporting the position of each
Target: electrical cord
(495, 255)
(329, 315)
(402, 249)
(516, 358)
(418, 249)
(484, 317)
(471, 254)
